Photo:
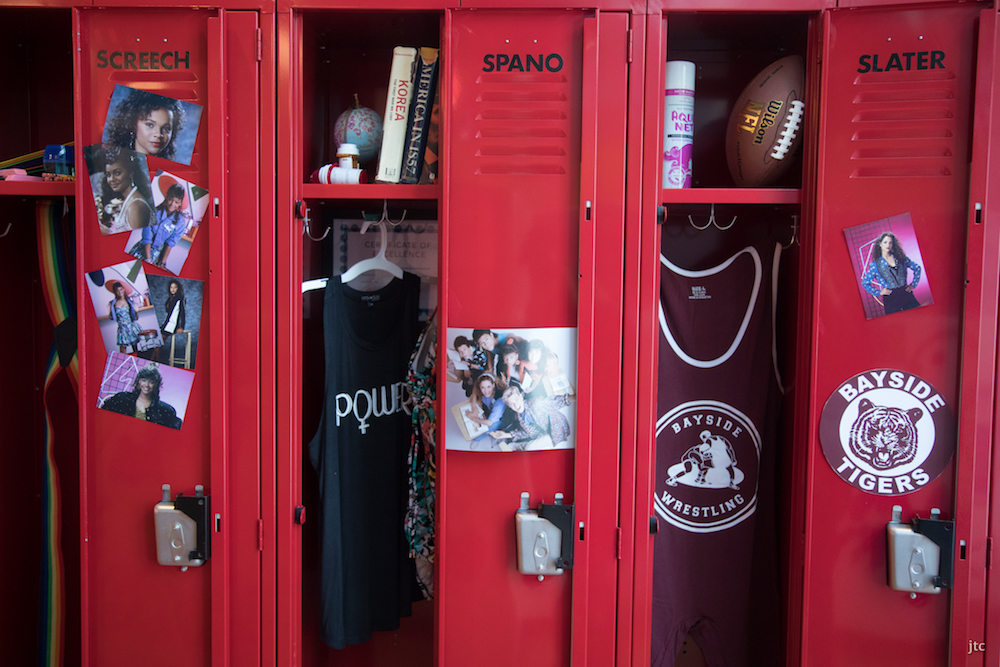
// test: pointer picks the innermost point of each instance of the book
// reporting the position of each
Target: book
(397, 113)
(429, 172)
(424, 83)
(469, 428)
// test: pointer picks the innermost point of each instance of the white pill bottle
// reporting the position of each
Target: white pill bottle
(678, 124)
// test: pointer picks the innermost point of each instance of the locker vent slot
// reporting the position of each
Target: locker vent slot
(908, 95)
(903, 125)
(523, 123)
(901, 152)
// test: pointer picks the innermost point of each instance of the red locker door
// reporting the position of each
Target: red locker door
(134, 610)
(897, 101)
(535, 201)
(975, 640)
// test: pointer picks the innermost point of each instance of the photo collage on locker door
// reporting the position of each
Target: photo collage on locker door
(148, 314)
(511, 390)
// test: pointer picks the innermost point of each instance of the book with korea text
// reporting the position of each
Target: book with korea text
(397, 112)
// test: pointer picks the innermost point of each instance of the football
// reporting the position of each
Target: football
(764, 128)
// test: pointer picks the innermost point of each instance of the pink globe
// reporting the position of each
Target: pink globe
(360, 126)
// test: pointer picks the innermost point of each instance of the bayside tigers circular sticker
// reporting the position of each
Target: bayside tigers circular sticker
(887, 432)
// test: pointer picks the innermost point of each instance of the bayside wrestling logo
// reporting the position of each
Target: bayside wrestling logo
(707, 459)
(887, 432)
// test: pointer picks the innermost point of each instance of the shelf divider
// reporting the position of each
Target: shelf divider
(369, 191)
(731, 196)
(38, 188)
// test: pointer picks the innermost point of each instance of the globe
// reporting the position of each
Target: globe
(360, 126)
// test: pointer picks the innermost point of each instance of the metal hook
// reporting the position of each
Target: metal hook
(706, 225)
(795, 231)
(299, 208)
(385, 215)
(384, 218)
(6, 231)
(712, 221)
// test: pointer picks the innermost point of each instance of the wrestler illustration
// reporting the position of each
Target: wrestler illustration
(711, 463)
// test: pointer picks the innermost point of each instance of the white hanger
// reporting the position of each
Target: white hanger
(376, 263)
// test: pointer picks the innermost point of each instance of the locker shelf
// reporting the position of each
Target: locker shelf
(370, 191)
(732, 196)
(38, 188)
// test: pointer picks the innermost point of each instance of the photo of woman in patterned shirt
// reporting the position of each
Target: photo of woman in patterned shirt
(887, 276)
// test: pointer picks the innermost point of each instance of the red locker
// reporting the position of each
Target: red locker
(549, 212)
(892, 95)
(210, 59)
(529, 210)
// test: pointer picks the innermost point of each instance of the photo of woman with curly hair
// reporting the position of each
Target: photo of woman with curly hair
(152, 124)
(145, 390)
(890, 279)
(143, 401)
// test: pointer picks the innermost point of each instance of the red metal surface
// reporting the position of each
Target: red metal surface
(288, 336)
(268, 352)
(641, 293)
(236, 260)
(797, 395)
(845, 528)
(779, 6)
(974, 636)
(602, 224)
(216, 113)
(533, 215)
(128, 599)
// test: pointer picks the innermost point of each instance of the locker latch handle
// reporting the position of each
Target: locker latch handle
(182, 528)
(920, 554)
(562, 517)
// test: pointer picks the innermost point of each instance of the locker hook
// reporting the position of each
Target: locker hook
(384, 218)
(302, 211)
(712, 221)
(6, 231)
(707, 224)
(795, 232)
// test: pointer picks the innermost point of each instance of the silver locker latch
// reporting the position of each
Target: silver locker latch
(920, 554)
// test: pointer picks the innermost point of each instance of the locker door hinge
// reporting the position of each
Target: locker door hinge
(260, 534)
(618, 543)
(629, 59)
(260, 44)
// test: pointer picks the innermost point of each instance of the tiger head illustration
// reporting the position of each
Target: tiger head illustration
(885, 437)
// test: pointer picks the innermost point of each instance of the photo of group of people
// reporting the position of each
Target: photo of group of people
(149, 323)
(140, 124)
(511, 390)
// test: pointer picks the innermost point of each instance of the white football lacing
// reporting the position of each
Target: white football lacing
(792, 122)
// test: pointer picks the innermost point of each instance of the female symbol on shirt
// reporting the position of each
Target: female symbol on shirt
(711, 463)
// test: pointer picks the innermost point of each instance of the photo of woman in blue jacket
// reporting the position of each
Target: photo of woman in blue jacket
(887, 276)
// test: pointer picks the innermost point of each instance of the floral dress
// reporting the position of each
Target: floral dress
(128, 329)
(422, 457)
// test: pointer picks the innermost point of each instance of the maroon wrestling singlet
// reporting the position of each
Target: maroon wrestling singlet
(715, 557)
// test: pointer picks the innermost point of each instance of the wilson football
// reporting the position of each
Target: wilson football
(764, 128)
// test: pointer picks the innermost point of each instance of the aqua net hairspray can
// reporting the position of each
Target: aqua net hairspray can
(678, 124)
